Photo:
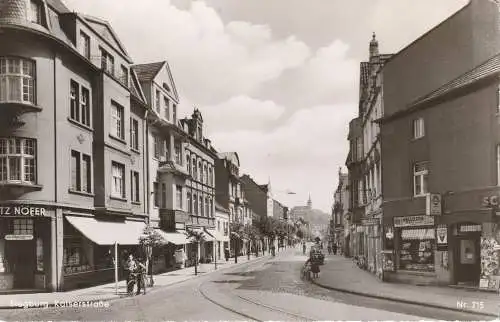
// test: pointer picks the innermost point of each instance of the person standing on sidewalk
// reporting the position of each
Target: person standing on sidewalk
(131, 269)
(141, 276)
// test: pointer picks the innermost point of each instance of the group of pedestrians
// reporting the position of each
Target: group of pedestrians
(135, 270)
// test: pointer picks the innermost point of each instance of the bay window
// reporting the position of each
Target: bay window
(35, 12)
(17, 160)
(17, 80)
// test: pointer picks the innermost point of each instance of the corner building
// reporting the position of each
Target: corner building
(440, 156)
(70, 170)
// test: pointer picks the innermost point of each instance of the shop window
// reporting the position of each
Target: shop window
(23, 227)
(74, 258)
(416, 251)
(39, 255)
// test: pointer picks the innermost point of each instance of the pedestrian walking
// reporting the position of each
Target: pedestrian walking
(141, 276)
(226, 253)
(334, 249)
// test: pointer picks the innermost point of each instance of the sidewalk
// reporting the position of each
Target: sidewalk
(99, 296)
(342, 274)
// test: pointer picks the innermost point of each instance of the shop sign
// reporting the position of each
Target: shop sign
(369, 222)
(22, 211)
(18, 237)
(413, 221)
(179, 225)
(470, 228)
(433, 204)
(442, 237)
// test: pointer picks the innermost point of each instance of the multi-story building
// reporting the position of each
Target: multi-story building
(440, 152)
(257, 195)
(222, 231)
(71, 165)
(371, 110)
(229, 192)
(340, 209)
(166, 163)
(353, 231)
(200, 197)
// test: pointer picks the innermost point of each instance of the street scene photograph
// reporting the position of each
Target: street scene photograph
(245, 160)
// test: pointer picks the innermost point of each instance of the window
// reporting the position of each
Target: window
(205, 175)
(178, 197)
(157, 102)
(35, 12)
(189, 203)
(79, 103)
(202, 207)
(156, 146)
(418, 128)
(85, 44)
(23, 227)
(164, 195)
(416, 249)
(200, 178)
(218, 225)
(81, 172)
(211, 176)
(188, 163)
(134, 134)
(195, 169)
(420, 173)
(17, 80)
(156, 194)
(124, 75)
(174, 112)
(118, 185)
(117, 128)
(207, 209)
(134, 184)
(178, 152)
(195, 198)
(17, 160)
(107, 62)
(167, 107)
(39, 255)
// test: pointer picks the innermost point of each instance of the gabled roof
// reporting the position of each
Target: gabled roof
(104, 29)
(147, 72)
(487, 69)
(135, 87)
(230, 156)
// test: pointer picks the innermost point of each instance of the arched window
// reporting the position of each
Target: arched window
(205, 175)
(210, 176)
(201, 206)
(207, 210)
(211, 207)
(195, 198)
(201, 171)
(189, 203)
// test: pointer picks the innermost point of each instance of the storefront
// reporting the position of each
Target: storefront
(171, 255)
(415, 247)
(25, 248)
(89, 247)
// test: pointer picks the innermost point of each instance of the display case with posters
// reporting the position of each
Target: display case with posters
(416, 251)
(489, 263)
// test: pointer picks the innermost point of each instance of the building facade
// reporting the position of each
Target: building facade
(68, 170)
(222, 231)
(200, 195)
(340, 210)
(166, 173)
(371, 110)
(440, 136)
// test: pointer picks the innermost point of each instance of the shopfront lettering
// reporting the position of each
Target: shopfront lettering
(412, 221)
(22, 211)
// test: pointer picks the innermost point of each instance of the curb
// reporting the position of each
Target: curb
(394, 299)
(114, 297)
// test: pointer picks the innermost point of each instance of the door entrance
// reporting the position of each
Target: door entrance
(22, 258)
(468, 261)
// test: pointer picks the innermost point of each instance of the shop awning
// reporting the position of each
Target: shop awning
(108, 232)
(175, 238)
(209, 235)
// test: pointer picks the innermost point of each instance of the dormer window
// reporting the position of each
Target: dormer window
(166, 87)
(35, 12)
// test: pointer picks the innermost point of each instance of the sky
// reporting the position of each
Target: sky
(277, 81)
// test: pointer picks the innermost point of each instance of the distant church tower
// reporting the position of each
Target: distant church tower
(309, 202)
(373, 48)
